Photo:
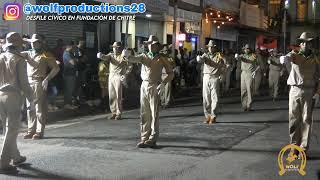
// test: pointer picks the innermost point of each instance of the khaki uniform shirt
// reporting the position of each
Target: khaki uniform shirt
(262, 61)
(252, 63)
(275, 63)
(214, 64)
(38, 65)
(13, 75)
(118, 65)
(304, 70)
(152, 66)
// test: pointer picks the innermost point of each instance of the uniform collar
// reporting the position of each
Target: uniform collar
(152, 55)
(213, 54)
(37, 51)
(304, 55)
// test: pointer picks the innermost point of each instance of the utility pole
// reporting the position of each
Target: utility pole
(314, 11)
(99, 36)
(286, 7)
(284, 30)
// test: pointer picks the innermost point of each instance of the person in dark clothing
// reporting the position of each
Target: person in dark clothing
(70, 74)
(80, 66)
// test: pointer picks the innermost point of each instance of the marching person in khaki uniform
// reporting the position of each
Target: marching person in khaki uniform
(13, 81)
(39, 63)
(304, 83)
(238, 74)
(214, 66)
(259, 75)
(275, 69)
(119, 69)
(151, 87)
(249, 67)
(166, 95)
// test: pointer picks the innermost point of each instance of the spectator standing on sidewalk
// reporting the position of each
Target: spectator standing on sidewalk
(70, 74)
(58, 51)
(103, 73)
(82, 66)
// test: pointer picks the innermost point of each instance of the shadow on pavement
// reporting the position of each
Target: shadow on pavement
(255, 122)
(39, 174)
(220, 149)
(83, 138)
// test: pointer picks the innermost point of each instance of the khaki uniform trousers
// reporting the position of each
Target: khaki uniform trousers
(257, 82)
(246, 89)
(10, 112)
(166, 95)
(300, 115)
(274, 77)
(210, 94)
(150, 106)
(115, 93)
(37, 119)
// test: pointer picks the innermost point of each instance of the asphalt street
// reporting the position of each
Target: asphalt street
(241, 146)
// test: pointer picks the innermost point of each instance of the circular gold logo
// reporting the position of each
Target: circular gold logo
(290, 162)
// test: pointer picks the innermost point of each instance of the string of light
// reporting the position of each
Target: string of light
(218, 17)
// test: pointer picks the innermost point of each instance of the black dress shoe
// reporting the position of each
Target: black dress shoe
(29, 135)
(113, 116)
(151, 144)
(19, 161)
(37, 136)
(9, 170)
(141, 145)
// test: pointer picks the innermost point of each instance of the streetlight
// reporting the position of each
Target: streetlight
(148, 15)
(314, 11)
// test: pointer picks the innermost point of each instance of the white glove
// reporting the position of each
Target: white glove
(160, 88)
(283, 59)
(45, 84)
(281, 73)
(236, 56)
(316, 99)
(198, 58)
(31, 107)
(99, 55)
(122, 78)
(269, 62)
(125, 53)
(253, 74)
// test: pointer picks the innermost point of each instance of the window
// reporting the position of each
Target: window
(274, 8)
(302, 6)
